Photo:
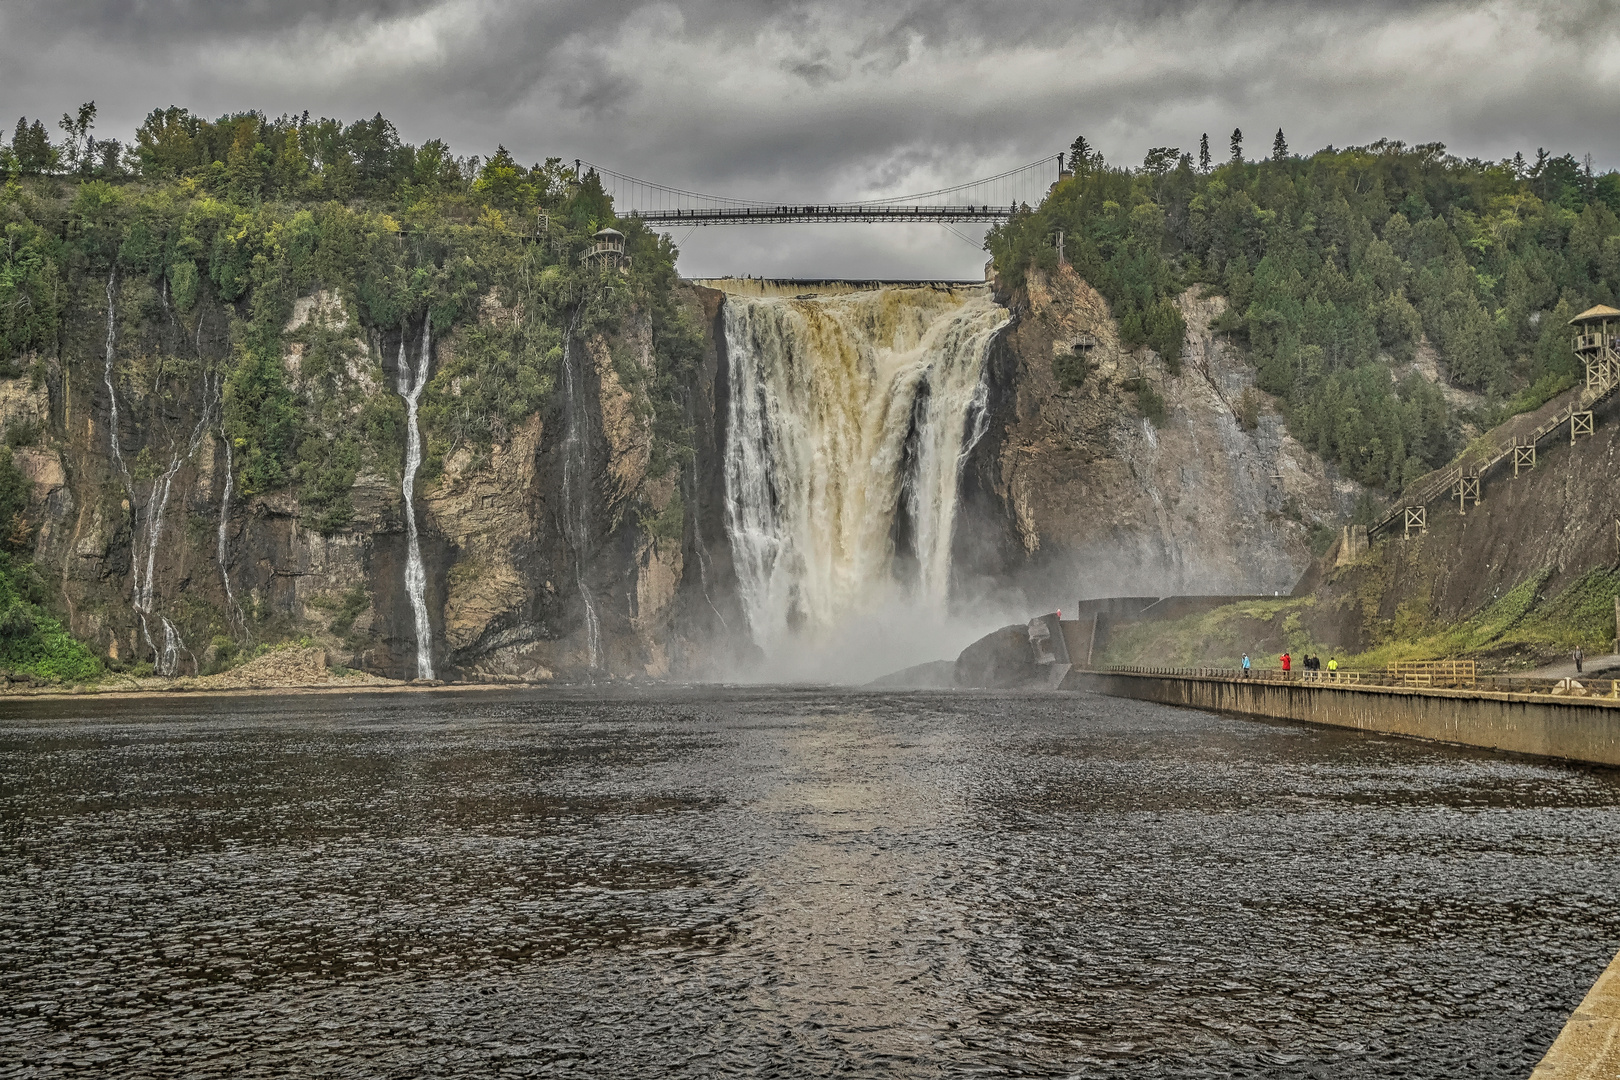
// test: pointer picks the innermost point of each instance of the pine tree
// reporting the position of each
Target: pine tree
(1203, 153)
(1279, 147)
(30, 146)
(1082, 156)
(1237, 144)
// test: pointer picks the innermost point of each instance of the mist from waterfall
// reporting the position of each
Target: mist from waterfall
(410, 388)
(850, 417)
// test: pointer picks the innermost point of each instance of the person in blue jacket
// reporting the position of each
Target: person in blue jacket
(1245, 665)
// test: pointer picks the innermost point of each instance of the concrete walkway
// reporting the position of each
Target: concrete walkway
(1597, 667)
(1589, 1046)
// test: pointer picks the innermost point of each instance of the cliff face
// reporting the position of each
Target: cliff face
(159, 555)
(1076, 492)
(155, 555)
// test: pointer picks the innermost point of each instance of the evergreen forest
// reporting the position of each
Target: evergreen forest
(1338, 267)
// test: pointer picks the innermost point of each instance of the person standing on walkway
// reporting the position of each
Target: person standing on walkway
(1245, 665)
(1287, 663)
(1579, 656)
(1333, 663)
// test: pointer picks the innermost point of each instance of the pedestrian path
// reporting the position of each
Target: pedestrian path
(1595, 667)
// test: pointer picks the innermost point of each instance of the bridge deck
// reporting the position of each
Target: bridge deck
(776, 215)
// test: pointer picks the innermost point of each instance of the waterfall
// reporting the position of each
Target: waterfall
(107, 376)
(577, 488)
(154, 532)
(844, 410)
(168, 658)
(410, 388)
(156, 505)
(222, 555)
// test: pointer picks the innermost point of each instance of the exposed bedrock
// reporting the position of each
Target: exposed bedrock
(564, 551)
(1077, 493)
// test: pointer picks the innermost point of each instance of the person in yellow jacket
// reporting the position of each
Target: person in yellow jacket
(1333, 663)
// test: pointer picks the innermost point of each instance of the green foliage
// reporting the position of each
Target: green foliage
(1150, 402)
(30, 288)
(32, 642)
(1248, 410)
(355, 602)
(1523, 620)
(1071, 367)
(16, 531)
(1582, 614)
(1339, 265)
(667, 525)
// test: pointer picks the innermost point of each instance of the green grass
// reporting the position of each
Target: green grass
(1521, 622)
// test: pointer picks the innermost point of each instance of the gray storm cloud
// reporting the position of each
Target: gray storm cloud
(841, 100)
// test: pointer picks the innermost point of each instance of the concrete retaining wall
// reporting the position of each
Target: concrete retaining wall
(1580, 729)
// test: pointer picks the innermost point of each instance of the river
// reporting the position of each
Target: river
(781, 882)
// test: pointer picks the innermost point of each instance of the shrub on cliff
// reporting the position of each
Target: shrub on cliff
(32, 642)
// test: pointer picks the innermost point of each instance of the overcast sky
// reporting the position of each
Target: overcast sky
(845, 99)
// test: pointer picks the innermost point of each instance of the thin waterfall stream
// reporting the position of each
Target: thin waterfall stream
(223, 553)
(166, 656)
(107, 377)
(576, 489)
(410, 388)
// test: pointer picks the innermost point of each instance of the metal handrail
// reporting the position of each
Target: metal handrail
(1604, 689)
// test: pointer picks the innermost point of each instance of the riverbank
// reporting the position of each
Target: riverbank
(1574, 728)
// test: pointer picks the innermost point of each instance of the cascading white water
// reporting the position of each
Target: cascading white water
(410, 388)
(107, 376)
(826, 394)
(222, 555)
(576, 489)
(168, 657)
(156, 505)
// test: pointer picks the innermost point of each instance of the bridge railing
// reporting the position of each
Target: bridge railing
(990, 198)
(1410, 677)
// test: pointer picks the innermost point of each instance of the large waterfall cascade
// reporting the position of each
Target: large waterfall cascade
(848, 410)
(410, 388)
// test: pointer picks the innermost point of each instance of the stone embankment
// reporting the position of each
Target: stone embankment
(1578, 722)
(1589, 1045)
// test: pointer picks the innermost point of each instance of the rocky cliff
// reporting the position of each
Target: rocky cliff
(1109, 473)
(1129, 477)
(157, 554)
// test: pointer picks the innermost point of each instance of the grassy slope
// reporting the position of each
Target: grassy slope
(1522, 628)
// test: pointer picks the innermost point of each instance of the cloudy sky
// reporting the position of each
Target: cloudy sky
(843, 99)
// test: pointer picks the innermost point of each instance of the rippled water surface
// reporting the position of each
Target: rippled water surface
(786, 883)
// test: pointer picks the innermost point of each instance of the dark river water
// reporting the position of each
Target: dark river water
(782, 883)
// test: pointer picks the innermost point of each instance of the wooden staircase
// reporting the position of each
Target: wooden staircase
(1601, 351)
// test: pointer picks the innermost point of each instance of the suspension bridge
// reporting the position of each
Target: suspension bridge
(991, 199)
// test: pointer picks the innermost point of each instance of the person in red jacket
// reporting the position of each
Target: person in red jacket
(1287, 662)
